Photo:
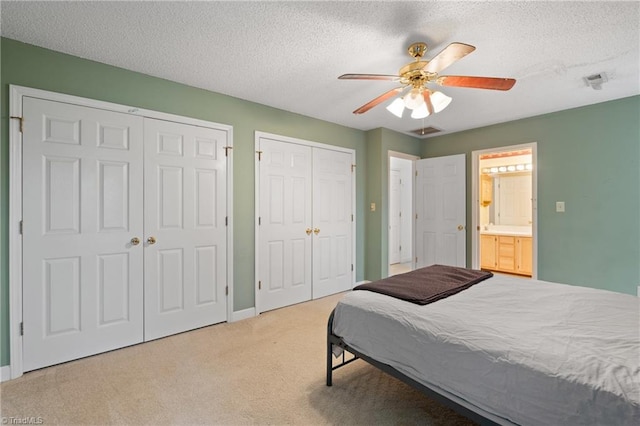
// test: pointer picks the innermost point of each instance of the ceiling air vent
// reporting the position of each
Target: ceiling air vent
(426, 131)
(595, 81)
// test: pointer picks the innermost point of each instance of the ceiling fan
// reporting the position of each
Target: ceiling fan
(415, 76)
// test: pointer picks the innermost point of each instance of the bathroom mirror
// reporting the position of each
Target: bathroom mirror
(511, 204)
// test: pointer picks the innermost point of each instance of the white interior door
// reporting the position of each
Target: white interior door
(441, 211)
(394, 216)
(332, 222)
(285, 224)
(82, 205)
(185, 227)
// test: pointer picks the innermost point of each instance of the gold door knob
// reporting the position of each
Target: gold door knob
(460, 227)
(151, 240)
(308, 231)
(135, 241)
(316, 231)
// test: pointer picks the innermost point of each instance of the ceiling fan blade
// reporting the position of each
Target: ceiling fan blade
(427, 100)
(388, 95)
(492, 83)
(369, 77)
(448, 56)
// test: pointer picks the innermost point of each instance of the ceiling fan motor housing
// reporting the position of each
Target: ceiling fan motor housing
(414, 74)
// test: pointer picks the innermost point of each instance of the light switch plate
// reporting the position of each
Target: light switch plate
(560, 206)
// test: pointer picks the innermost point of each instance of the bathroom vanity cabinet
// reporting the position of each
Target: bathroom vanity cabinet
(506, 253)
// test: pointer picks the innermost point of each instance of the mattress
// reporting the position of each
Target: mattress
(529, 352)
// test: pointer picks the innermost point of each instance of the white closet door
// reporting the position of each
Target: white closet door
(185, 213)
(284, 237)
(82, 205)
(332, 222)
(441, 210)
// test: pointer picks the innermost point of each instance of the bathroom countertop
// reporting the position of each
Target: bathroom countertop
(508, 233)
(510, 230)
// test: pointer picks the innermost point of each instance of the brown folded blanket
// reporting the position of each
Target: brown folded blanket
(426, 285)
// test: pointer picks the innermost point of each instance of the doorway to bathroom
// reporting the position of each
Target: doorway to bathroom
(504, 210)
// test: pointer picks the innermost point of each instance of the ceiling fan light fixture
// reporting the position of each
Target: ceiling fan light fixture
(414, 99)
(440, 101)
(420, 112)
(396, 107)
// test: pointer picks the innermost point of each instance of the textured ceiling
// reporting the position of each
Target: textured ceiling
(288, 55)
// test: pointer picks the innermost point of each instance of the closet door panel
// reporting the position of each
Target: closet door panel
(82, 205)
(284, 246)
(332, 222)
(185, 230)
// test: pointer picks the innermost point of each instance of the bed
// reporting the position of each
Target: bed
(506, 350)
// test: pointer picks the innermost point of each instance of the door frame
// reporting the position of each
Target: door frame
(258, 135)
(413, 159)
(475, 212)
(16, 95)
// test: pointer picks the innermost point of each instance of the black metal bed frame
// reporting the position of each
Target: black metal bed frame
(333, 340)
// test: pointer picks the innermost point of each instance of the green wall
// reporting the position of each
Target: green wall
(588, 157)
(31, 66)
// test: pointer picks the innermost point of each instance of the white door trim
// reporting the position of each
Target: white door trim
(257, 137)
(413, 159)
(475, 240)
(16, 94)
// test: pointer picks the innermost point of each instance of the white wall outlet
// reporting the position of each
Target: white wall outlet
(373, 207)
(560, 206)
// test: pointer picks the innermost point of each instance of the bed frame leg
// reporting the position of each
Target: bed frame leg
(329, 351)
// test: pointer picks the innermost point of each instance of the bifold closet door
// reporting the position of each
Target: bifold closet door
(332, 222)
(185, 230)
(285, 234)
(124, 230)
(82, 212)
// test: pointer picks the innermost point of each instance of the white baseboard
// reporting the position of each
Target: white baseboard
(362, 282)
(243, 314)
(5, 373)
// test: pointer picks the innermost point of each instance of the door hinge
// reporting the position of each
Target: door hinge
(259, 221)
(259, 155)
(259, 285)
(226, 291)
(400, 214)
(400, 248)
(226, 150)
(351, 217)
(416, 260)
(416, 216)
(21, 121)
(353, 167)
(226, 221)
(20, 228)
(22, 329)
(416, 173)
(352, 267)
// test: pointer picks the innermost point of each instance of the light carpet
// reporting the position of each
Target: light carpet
(264, 370)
